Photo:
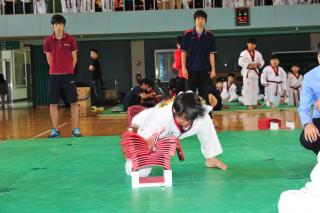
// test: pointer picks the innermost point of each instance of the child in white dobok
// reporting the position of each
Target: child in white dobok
(229, 91)
(294, 83)
(250, 60)
(274, 79)
(183, 117)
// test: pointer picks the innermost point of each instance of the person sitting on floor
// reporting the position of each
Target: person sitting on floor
(214, 97)
(219, 84)
(139, 94)
(229, 92)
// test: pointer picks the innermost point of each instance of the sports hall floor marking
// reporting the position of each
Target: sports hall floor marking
(46, 132)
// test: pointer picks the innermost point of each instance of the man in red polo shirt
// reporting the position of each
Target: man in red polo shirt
(61, 52)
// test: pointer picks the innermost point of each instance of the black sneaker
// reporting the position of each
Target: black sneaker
(54, 133)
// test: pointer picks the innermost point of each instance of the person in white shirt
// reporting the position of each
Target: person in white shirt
(291, 2)
(67, 6)
(183, 117)
(294, 83)
(77, 6)
(229, 91)
(278, 2)
(250, 60)
(274, 79)
(40, 6)
(304, 200)
(106, 5)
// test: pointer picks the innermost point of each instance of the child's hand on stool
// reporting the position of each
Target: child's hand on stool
(151, 141)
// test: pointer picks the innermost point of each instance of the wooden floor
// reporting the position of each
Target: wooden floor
(35, 123)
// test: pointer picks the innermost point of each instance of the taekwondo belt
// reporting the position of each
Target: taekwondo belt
(252, 69)
(294, 94)
(275, 82)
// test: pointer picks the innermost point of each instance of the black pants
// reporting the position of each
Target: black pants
(180, 85)
(314, 146)
(62, 86)
(200, 81)
(96, 93)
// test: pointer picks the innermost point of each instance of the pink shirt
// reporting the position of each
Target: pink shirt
(177, 62)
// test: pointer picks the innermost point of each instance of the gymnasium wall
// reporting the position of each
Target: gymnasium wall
(115, 62)
(157, 24)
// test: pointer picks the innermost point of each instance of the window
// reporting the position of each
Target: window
(163, 65)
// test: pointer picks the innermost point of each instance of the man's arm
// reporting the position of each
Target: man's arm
(184, 49)
(144, 95)
(306, 101)
(74, 58)
(311, 132)
(91, 68)
(48, 56)
(213, 50)
(213, 66)
(47, 50)
(184, 65)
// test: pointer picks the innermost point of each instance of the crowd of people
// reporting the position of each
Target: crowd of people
(256, 87)
(84, 6)
(272, 87)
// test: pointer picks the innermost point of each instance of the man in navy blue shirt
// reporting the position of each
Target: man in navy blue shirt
(198, 59)
(139, 93)
(310, 118)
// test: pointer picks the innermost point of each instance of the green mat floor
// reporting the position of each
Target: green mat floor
(232, 107)
(87, 175)
(235, 106)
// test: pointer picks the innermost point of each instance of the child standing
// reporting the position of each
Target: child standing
(294, 85)
(274, 79)
(229, 92)
(251, 61)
